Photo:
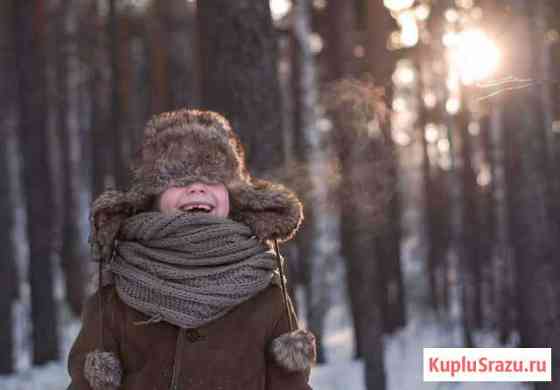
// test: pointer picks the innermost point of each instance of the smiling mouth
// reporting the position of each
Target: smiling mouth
(197, 208)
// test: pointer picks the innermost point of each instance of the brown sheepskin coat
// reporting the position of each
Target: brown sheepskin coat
(227, 354)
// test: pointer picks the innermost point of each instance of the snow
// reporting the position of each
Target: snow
(403, 357)
(52, 376)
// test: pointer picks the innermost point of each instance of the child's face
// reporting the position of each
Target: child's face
(212, 199)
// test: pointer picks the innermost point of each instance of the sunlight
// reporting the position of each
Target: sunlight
(409, 28)
(404, 75)
(422, 12)
(474, 56)
(399, 104)
(443, 145)
(279, 8)
(315, 43)
(430, 99)
(431, 133)
(453, 105)
(401, 137)
(484, 177)
(451, 15)
(398, 5)
(464, 3)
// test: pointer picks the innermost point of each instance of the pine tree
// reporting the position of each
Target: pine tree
(29, 33)
(238, 63)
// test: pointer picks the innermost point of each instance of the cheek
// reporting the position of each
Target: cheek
(222, 197)
(168, 199)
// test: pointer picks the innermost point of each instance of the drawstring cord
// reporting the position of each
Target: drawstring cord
(100, 299)
(152, 320)
(281, 265)
(100, 287)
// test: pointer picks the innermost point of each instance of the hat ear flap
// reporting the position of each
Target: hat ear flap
(108, 212)
(271, 210)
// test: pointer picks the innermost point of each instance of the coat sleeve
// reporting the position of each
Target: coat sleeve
(89, 338)
(277, 377)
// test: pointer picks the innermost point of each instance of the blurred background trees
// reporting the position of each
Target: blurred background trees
(394, 120)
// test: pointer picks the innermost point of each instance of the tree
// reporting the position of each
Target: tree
(29, 33)
(102, 142)
(436, 199)
(180, 18)
(381, 64)
(533, 233)
(159, 55)
(314, 152)
(238, 63)
(8, 271)
(353, 105)
(73, 251)
(118, 50)
(469, 251)
(171, 35)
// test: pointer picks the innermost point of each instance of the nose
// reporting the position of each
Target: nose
(196, 187)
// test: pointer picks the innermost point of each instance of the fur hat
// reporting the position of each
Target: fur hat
(179, 148)
(184, 146)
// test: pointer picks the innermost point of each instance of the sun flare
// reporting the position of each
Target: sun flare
(398, 5)
(474, 55)
(279, 8)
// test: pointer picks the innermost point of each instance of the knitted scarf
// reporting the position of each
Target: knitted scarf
(188, 269)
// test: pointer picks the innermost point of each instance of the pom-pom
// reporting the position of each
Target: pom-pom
(103, 370)
(295, 351)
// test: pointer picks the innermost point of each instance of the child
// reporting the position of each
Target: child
(191, 294)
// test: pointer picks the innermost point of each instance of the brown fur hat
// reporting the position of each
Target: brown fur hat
(184, 146)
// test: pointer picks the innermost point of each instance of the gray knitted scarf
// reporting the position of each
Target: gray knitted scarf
(188, 269)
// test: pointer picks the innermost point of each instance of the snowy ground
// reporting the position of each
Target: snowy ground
(403, 359)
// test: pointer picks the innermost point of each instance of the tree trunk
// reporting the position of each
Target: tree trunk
(381, 64)
(8, 270)
(360, 213)
(436, 192)
(503, 264)
(354, 150)
(534, 234)
(317, 252)
(116, 123)
(159, 56)
(174, 47)
(340, 22)
(470, 253)
(239, 75)
(102, 142)
(29, 33)
(487, 216)
(73, 251)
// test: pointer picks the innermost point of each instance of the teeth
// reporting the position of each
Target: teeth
(200, 207)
